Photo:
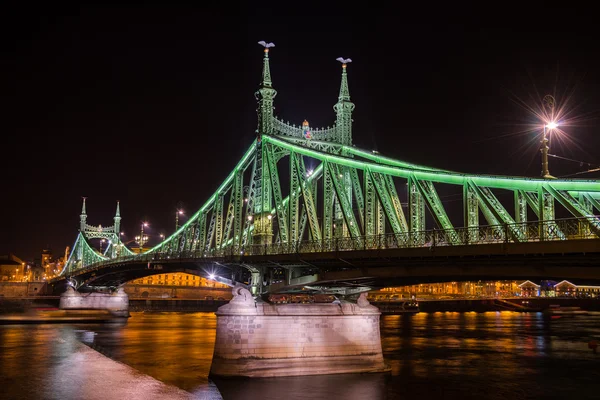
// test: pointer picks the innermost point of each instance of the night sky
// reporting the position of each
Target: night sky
(154, 105)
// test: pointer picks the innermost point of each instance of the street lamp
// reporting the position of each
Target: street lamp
(142, 239)
(545, 173)
(248, 229)
(177, 214)
(101, 243)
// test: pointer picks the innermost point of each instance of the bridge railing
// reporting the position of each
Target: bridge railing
(522, 232)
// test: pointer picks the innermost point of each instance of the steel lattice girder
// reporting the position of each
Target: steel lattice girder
(82, 255)
(570, 193)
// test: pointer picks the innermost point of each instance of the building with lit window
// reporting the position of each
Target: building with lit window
(568, 289)
(475, 289)
(529, 289)
(12, 268)
(177, 279)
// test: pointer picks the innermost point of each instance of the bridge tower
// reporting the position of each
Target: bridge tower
(343, 110)
(82, 225)
(84, 254)
(260, 190)
(115, 250)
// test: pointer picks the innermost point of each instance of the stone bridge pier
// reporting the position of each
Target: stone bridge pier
(117, 302)
(257, 339)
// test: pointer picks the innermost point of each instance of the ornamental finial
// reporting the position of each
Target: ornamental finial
(344, 61)
(266, 45)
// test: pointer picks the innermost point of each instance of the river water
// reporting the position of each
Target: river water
(493, 355)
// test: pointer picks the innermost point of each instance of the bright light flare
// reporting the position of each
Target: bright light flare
(559, 117)
(212, 272)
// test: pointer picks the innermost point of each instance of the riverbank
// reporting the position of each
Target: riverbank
(527, 304)
(55, 316)
(21, 305)
(75, 371)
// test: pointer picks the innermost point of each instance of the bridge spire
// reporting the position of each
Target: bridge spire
(82, 217)
(259, 203)
(117, 220)
(265, 95)
(344, 107)
(266, 74)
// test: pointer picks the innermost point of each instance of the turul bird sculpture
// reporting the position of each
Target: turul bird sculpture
(265, 44)
(344, 60)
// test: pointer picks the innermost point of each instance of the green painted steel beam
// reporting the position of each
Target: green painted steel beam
(375, 157)
(432, 200)
(385, 201)
(358, 195)
(293, 216)
(308, 199)
(593, 200)
(276, 190)
(416, 209)
(487, 198)
(240, 166)
(328, 196)
(575, 208)
(396, 202)
(342, 198)
(491, 181)
(219, 220)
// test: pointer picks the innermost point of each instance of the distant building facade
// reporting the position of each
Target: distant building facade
(12, 268)
(500, 289)
(177, 279)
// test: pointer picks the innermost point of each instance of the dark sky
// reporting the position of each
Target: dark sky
(154, 105)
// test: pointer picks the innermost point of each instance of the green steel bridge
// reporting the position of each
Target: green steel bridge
(304, 207)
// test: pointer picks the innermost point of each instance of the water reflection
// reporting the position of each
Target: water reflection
(344, 386)
(175, 348)
(494, 355)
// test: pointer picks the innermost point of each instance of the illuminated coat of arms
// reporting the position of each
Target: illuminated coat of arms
(306, 130)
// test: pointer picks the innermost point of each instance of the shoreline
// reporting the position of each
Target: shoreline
(32, 306)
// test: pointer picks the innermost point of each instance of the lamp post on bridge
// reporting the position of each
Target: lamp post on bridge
(177, 214)
(545, 172)
(248, 230)
(142, 239)
(549, 123)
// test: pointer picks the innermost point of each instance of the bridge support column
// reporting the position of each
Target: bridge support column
(263, 230)
(256, 282)
(117, 302)
(257, 339)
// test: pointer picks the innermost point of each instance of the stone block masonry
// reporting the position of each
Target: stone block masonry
(117, 302)
(266, 340)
